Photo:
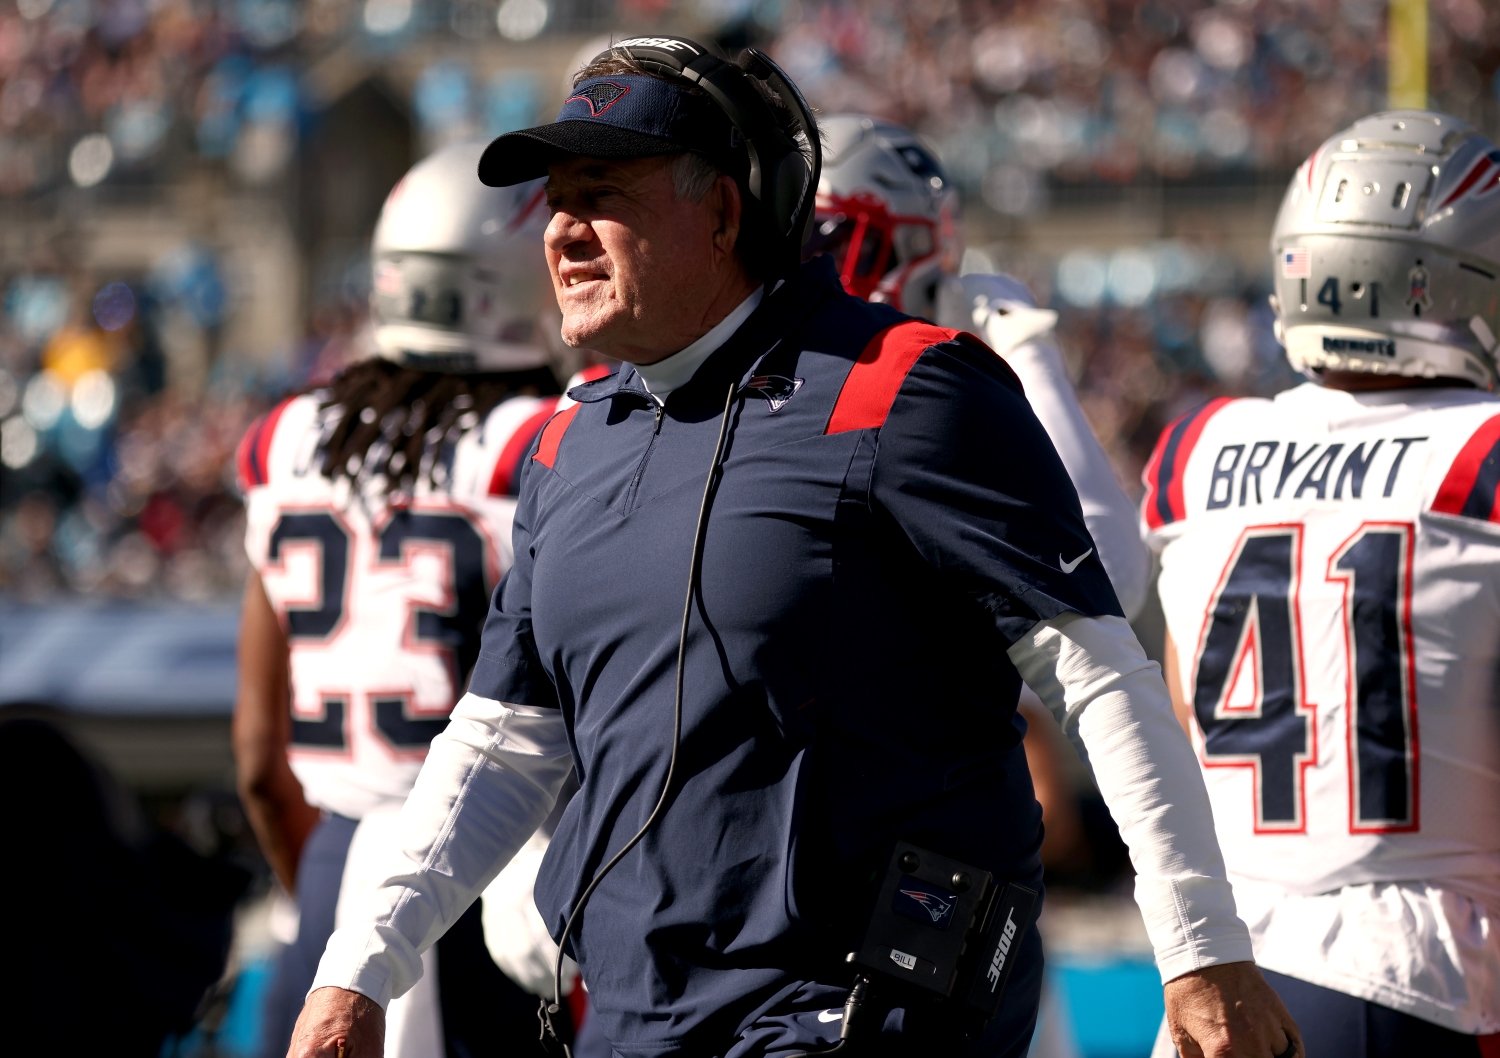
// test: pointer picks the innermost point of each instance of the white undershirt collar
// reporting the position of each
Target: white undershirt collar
(662, 377)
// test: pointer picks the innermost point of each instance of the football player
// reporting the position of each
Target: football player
(1331, 582)
(889, 215)
(379, 521)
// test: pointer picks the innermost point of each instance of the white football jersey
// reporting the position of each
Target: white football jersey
(1331, 578)
(382, 603)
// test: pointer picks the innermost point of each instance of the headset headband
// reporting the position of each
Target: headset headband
(781, 178)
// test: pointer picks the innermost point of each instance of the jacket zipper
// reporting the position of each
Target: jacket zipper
(640, 470)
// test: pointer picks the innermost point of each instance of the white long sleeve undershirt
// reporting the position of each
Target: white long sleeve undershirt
(493, 775)
(1091, 672)
(489, 781)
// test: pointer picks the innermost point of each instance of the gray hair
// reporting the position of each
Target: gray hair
(693, 175)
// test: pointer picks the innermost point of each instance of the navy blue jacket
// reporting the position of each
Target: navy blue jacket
(891, 518)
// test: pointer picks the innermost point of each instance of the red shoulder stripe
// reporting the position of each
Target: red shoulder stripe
(552, 435)
(594, 372)
(1469, 487)
(243, 468)
(253, 457)
(1163, 502)
(510, 456)
(871, 386)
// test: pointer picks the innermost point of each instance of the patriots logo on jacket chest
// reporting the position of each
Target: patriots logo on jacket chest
(777, 389)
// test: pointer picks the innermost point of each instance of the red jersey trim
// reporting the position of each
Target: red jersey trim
(1163, 476)
(1469, 487)
(552, 435)
(504, 475)
(871, 386)
(253, 459)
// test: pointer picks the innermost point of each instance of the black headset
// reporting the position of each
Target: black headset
(783, 178)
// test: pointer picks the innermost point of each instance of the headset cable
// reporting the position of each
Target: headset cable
(549, 1010)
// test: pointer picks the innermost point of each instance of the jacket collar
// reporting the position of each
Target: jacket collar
(779, 312)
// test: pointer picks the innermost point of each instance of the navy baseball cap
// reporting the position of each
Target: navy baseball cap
(624, 116)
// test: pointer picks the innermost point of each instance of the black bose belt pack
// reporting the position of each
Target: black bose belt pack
(943, 928)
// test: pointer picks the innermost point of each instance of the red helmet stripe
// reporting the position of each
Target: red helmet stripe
(1474, 175)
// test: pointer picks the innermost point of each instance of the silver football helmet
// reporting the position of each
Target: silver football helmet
(887, 212)
(461, 282)
(1386, 251)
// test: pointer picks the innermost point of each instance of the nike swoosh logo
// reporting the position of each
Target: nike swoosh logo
(825, 1016)
(1069, 567)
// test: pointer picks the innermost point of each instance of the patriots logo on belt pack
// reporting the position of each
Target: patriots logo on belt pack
(777, 389)
(935, 907)
(600, 97)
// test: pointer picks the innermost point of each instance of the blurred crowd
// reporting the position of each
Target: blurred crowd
(113, 483)
(1019, 94)
(1152, 331)
(1015, 92)
(120, 405)
(116, 450)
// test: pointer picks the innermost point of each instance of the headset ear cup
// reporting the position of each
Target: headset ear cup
(807, 230)
(788, 192)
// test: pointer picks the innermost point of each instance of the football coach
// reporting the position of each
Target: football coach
(777, 584)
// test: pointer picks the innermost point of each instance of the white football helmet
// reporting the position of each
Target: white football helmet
(1386, 251)
(461, 283)
(887, 212)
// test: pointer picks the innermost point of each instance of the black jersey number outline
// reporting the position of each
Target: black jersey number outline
(451, 629)
(1375, 566)
(1253, 631)
(320, 620)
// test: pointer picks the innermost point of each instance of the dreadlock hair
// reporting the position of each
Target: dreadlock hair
(393, 422)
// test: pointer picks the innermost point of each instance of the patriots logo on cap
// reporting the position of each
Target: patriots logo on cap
(777, 389)
(600, 97)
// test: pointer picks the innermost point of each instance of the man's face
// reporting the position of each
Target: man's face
(637, 270)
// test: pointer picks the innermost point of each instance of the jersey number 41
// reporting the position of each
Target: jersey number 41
(1248, 682)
